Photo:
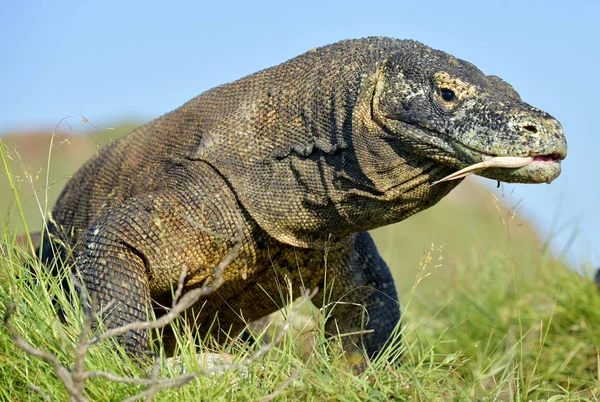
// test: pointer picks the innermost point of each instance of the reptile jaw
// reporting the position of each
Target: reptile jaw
(536, 169)
(497, 162)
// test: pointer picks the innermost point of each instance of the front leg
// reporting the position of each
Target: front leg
(113, 270)
(361, 295)
(135, 252)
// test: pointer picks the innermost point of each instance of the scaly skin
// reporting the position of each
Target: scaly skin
(305, 156)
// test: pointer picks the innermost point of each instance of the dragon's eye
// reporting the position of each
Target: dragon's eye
(447, 95)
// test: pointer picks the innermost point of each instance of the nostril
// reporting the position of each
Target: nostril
(531, 128)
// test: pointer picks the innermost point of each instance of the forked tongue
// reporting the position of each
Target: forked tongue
(510, 162)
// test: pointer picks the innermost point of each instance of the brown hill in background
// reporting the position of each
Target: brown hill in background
(29, 153)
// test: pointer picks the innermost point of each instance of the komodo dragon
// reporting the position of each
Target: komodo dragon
(301, 160)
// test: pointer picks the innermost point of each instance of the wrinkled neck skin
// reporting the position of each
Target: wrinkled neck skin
(310, 164)
(395, 172)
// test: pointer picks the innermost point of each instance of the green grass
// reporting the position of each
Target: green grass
(504, 334)
(488, 314)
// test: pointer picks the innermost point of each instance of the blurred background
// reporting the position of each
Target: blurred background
(92, 71)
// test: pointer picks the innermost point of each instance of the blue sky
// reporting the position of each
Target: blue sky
(112, 60)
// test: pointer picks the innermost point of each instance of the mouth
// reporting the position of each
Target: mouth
(514, 169)
(541, 165)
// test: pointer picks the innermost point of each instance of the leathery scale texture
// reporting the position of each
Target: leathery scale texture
(295, 162)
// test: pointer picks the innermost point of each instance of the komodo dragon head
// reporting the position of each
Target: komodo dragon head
(461, 117)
